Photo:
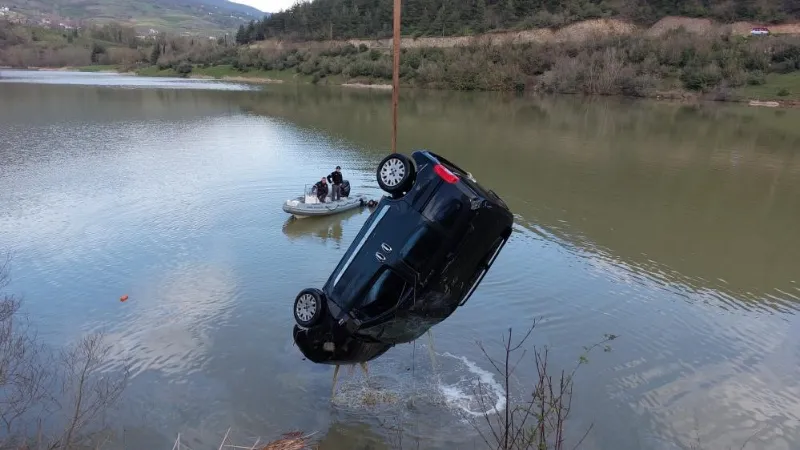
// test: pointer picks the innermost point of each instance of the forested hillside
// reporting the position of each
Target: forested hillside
(337, 19)
(697, 57)
(101, 45)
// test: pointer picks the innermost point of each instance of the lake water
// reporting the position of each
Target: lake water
(675, 227)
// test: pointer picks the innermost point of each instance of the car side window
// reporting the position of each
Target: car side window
(443, 209)
(384, 293)
(420, 247)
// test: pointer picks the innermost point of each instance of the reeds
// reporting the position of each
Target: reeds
(295, 440)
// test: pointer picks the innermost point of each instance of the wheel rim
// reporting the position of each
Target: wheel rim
(392, 172)
(306, 307)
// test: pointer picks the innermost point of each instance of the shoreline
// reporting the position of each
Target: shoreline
(367, 86)
(250, 80)
(682, 97)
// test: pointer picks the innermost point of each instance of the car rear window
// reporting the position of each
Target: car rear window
(451, 167)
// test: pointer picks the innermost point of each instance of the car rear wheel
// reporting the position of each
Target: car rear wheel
(396, 173)
(308, 307)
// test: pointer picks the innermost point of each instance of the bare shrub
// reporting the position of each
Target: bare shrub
(66, 389)
(86, 392)
(565, 77)
(603, 72)
(538, 423)
(124, 56)
(19, 56)
(23, 370)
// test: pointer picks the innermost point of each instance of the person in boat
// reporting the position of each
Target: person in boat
(335, 178)
(320, 189)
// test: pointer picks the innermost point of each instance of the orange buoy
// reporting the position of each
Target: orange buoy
(123, 298)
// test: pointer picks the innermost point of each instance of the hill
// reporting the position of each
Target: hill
(344, 19)
(174, 16)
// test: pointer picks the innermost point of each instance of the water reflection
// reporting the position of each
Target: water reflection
(43, 106)
(321, 228)
(703, 196)
(672, 226)
(167, 324)
(114, 80)
(352, 436)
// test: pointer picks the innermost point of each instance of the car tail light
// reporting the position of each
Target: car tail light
(446, 175)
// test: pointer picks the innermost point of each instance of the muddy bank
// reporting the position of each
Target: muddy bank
(368, 86)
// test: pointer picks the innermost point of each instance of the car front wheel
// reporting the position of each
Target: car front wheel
(396, 173)
(308, 307)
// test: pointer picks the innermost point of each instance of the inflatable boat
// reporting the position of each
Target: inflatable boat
(309, 205)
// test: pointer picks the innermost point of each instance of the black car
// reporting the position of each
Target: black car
(420, 255)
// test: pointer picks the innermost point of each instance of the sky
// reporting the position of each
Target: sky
(267, 5)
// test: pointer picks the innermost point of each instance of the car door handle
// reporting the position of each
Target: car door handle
(379, 256)
(386, 247)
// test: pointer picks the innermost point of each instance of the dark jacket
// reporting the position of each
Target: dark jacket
(320, 189)
(335, 177)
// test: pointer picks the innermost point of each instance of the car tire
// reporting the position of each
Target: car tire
(308, 307)
(396, 173)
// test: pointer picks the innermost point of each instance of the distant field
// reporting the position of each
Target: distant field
(777, 87)
(200, 16)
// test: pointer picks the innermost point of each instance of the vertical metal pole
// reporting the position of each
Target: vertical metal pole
(395, 73)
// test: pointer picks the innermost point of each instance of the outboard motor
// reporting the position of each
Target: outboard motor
(345, 192)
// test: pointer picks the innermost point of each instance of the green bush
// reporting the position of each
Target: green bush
(184, 68)
(308, 67)
(756, 79)
(701, 78)
(291, 61)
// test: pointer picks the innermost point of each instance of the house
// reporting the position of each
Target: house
(759, 31)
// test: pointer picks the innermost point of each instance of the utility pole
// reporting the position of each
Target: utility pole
(395, 72)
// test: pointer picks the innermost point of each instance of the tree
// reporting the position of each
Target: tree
(323, 19)
(480, 20)
(155, 54)
(241, 35)
(97, 50)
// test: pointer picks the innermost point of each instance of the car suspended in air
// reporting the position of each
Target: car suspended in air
(420, 255)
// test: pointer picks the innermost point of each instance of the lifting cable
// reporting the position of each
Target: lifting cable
(395, 72)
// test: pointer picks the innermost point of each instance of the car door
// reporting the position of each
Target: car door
(374, 247)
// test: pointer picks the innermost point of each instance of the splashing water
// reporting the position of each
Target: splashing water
(464, 393)
(453, 384)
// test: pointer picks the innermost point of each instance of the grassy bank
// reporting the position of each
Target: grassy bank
(98, 68)
(228, 72)
(777, 87)
(783, 88)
